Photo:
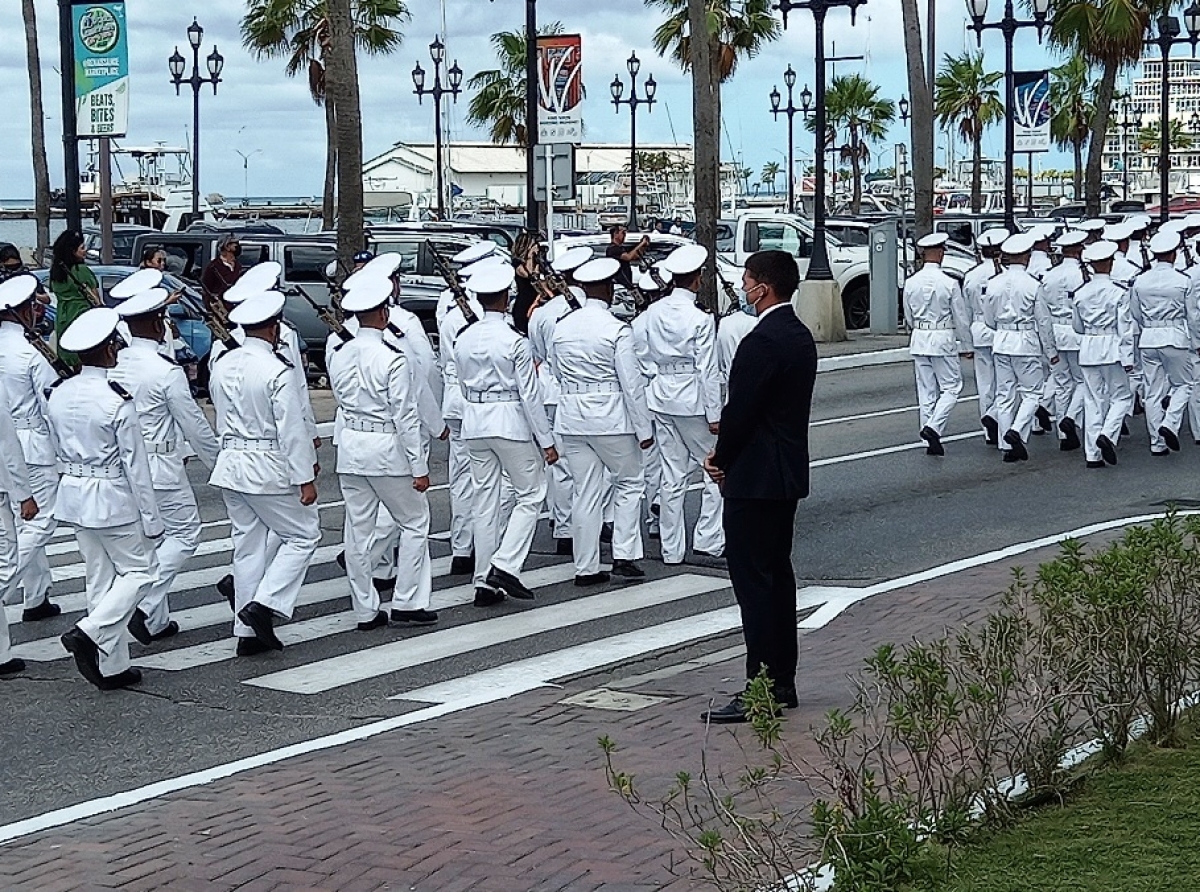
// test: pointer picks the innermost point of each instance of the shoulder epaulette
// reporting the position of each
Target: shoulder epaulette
(392, 347)
(287, 362)
(395, 330)
(168, 359)
(49, 390)
(120, 391)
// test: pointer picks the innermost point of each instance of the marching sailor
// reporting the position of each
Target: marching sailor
(1123, 269)
(1065, 387)
(1100, 315)
(975, 294)
(738, 321)
(602, 424)
(14, 487)
(1039, 257)
(655, 286)
(171, 425)
(933, 306)
(266, 470)
(507, 434)
(107, 495)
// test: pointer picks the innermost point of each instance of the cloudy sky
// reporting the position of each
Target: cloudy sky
(262, 113)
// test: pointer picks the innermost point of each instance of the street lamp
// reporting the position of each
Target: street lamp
(789, 80)
(1126, 124)
(246, 156)
(903, 106)
(1167, 37)
(1008, 26)
(177, 64)
(454, 76)
(633, 100)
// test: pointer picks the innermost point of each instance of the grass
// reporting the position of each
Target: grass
(1131, 828)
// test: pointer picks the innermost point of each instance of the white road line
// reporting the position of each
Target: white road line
(861, 360)
(900, 410)
(887, 450)
(336, 672)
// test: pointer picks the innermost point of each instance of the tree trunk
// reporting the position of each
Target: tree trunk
(341, 74)
(329, 196)
(1104, 98)
(977, 171)
(921, 123)
(1077, 178)
(855, 172)
(41, 169)
(706, 135)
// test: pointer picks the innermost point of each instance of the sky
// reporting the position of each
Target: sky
(261, 113)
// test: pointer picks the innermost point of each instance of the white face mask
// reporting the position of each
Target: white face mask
(749, 306)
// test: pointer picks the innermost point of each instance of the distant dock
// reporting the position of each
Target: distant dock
(260, 210)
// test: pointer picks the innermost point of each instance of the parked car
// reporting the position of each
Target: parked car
(124, 237)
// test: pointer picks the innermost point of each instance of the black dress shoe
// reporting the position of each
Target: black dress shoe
(128, 678)
(414, 617)
(12, 667)
(592, 579)
(606, 533)
(1068, 427)
(170, 630)
(86, 654)
(1108, 449)
(564, 547)
(1165, 452)
(708, 561)
(930, 436)
(226, 589)
(1010, 458)
(341, 560)
(786, 697)
(732, 713)
(993, 429)
(249, 647)
(137, 627)
(655, 509)
(1018, 450)
(1069, 443)
(627, 570)
(509, 584)
(1124, 429)
(378, 622)
(45, 610)
(1165, 402)
(262, 621)
(462, 566)
(1043, 419)
(1139, 407)
(384, 586)
(1096, 464)
(486, 597)
(1170, 436)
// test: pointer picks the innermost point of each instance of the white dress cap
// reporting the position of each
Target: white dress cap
(1016, 245)
(1174, 225)
(90, 330)
(1043, 232)
(572, 258)
(479, 266)
(646, 282)
(685, 259)
(1099, 251)
(1093, 225)
(257, 309)
(385, 264)
(1117, 232)
(1140, 222)
(368, 294)
(992, 238)
(142, 280)
(498, 277)
(1192, 221)
(259, 278)
(1070, 238)
(933, 240)
(150, 301)
(599, 270)
(17, 290)
(477, 251)
(1165, 242)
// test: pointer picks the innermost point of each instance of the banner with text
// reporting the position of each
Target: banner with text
(560, 89)
(1031, 102)
(101, 69)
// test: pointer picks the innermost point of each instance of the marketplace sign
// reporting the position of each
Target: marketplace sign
(101, 69)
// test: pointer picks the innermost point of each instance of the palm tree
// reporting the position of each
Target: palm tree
(769, 172)
(920, 93)
(298, 31)
(853, 102)
(341, 81)
(966, 96)
(1149, 138)
(499, 103)
(41, 169)
(1072, 100)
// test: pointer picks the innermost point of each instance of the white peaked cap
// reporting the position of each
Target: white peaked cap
(149, 301)
(90, 330)
(472, 269)
(647, 282)
(1099, 251)
(933, 240)
(572, 258)
(685, 259)
(1192, 221)
(599, 270)
(992, 238)
(368, 294)
(1043, 232)
(1139, 221)
(1117, 232)
(142, 280)
(1071, 238)
(1165, 242)
(1093, 225)
(16, 290)
(477, 251)
(383, 265)
(496, 278)
(257, 308)
(259, 278)
(1016, 245)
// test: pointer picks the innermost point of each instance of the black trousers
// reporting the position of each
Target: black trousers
(758, 549)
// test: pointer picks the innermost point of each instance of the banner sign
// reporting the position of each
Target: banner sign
(1031, 111)
(560, 89)
(101, 69)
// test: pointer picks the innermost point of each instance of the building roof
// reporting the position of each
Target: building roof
(486, 157)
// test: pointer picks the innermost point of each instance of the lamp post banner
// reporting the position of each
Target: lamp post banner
(560, 89)
(1031, 111)
(101, 69)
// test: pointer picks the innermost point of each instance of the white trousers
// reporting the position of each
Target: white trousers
(652, 463)
(181, 518)
(462, 491)
(1066, 385)
(120, 569)
(1169, 373)
(1108, 398)
(684, 443)
(408, 514)
(274, 539)
(33, 567)
(500, 545)
(985, 381)
(1019, 384)
(591, 457)
(939, 382)
(8, 575)
(559, 489)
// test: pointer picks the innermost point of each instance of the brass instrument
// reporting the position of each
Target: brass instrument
(455, 286)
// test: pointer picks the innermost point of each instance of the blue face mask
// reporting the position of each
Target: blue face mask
(748, 308)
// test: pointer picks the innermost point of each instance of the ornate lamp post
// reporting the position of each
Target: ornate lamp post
(1168, 37)
(454, 76)
(177, 63)
(633, 100)
(789, 80)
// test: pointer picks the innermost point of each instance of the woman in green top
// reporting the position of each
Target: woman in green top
(73, 283)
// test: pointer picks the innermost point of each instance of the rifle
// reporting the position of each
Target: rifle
(214, 315)
(549, 282)
(1188, 260)
(325, 314)
(1145, 256)
(1087, 277)
(63, 370)
(455, 286)
(735, 303)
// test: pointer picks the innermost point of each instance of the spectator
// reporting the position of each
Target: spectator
(73, 283)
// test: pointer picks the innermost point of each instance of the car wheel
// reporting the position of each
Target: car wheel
(856, 305)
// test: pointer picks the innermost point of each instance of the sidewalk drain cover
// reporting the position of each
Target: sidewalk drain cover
(620, 701)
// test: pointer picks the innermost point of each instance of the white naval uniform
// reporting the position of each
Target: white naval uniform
(1100, 317)
(935, 310)
(266, 454)
(1039, 264)
(505, 428)
(975, 293)
(382, 446)
(15, 487)
(675, 342)
(1064, 390)
(462, 487)
(1024, 340)
(1168, 336)
(601, 420)
(730, 331)
(171, 423)
(25, 377)
(107, 494)
(559, 483)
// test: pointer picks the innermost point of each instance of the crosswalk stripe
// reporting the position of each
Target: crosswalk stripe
(325, 675)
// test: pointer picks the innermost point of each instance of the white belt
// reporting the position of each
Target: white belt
(367, 426)
(931, 326)
(1164, 324)
(242, 444)
(493, 396)
(162, 447)
(96, 472)
(591, 387)
(680, 367)
(29, 424)
(1099, 330)
(1016, 326)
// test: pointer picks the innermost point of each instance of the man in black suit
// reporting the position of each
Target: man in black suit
(761, 463)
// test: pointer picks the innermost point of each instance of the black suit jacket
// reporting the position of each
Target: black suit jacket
(763, 444)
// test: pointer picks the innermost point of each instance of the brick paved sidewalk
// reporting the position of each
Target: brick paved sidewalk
(509, 797)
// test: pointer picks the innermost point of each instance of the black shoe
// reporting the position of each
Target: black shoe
(170, 630)
(733, 713)
(380, 620)
(606, 533)
(249, 647)
(564, 547)
(86, 654)
(384, 586)
(1165, 402)
(655, 509)
(414, 617)
(710, 561)
(12, 667)
(1139, 407)
(341, 560)
(1124, 429)
(1043, 419)
(509, 584)
(486, 597)
(128, 678)
(592, 579)
(627, 570)
(137, 627)
(1170, 436)
(934, 440)
(1165, 452)
(462, 566)
(1068, 427)
(993, 429)
(1018, 450)
(1096, 464)
(786, 697)
(45, 610)
(1069, 443)
(1108, 449)
(226, 590)
(262, 621)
